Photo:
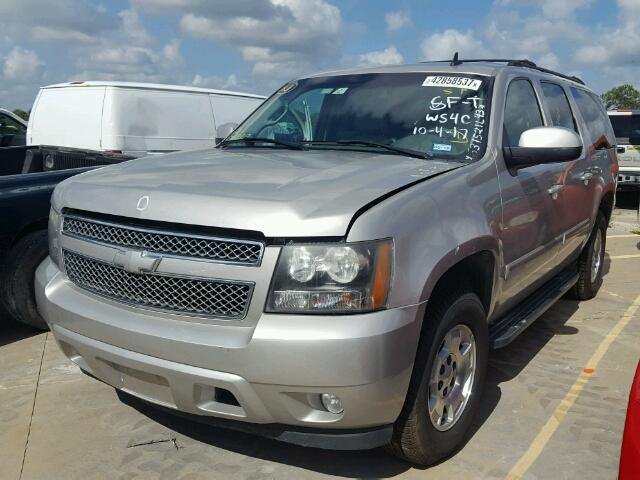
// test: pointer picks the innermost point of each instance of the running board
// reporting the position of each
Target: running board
(506, 329)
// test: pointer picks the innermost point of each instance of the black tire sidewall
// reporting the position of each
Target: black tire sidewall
(20, 268)
(591, 288)
(466, 310)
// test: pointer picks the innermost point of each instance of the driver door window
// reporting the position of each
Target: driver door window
(521, 111)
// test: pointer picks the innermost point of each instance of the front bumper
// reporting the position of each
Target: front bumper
(274, 370)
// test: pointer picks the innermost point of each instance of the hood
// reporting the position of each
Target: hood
(281, 193)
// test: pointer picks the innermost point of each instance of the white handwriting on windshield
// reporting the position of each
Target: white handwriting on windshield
(438, 103)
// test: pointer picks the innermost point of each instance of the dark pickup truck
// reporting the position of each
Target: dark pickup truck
(28, 175)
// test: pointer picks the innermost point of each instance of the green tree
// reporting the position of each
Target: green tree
(22, 114)
(622, 96)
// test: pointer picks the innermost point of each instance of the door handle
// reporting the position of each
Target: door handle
(586, 177)
(555, 190)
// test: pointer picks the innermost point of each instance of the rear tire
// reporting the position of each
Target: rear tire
(426, 432)
(591, 262)
(18, 279)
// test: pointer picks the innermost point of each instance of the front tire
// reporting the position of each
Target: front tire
(447, 381)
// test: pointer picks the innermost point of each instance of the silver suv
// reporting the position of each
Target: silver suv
(335, 273)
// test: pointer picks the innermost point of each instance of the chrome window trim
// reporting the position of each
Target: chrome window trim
(257, 263)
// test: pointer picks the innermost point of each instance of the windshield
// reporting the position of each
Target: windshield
(440, 115)
(627, 127)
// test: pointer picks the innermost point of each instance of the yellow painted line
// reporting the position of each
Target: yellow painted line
(549, 428)
(620, 257)
(630, 235)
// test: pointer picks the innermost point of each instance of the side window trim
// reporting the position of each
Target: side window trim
(533, 84)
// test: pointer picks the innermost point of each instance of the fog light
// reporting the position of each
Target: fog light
(332, 403)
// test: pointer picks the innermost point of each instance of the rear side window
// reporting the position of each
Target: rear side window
(558, 105)
(595, 117)
(521, 111)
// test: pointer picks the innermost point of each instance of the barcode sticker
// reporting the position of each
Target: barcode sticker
(455, 82)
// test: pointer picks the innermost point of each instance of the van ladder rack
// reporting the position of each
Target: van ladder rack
(510, 63)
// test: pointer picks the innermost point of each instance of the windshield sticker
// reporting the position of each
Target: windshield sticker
(288, 87)
(340, 91)
(457, 82)
(441, 147)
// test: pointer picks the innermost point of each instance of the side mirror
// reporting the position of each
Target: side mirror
(543, 145)
(224, 130)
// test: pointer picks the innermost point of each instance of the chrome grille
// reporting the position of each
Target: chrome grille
(217, 298)
(185, 245)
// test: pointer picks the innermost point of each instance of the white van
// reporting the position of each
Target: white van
(134, 118)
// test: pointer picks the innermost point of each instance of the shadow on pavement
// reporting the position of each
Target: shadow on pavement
(353, 464)
(12, 331)
(506, 363)
(627, 200)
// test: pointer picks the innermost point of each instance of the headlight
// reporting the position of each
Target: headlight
(54, 237)
(332, 278)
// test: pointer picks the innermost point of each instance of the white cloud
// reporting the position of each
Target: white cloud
(615, 47)
(388, 56)
(549, 60)
(442, 45)
(230, 82)
(66, 20)
(60, 34)
(553, 9)
(20, 64)
(133, 63)
(396, 21)
(280, 38)
(133, 28)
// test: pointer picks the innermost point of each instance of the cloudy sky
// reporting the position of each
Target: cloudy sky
(256, 45)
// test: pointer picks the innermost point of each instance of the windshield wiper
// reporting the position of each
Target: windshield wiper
(252, 140)
(403, 151)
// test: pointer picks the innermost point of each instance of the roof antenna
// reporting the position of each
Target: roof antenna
(455, 60)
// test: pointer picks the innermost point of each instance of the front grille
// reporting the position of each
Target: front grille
(185, 245)
(192, 296)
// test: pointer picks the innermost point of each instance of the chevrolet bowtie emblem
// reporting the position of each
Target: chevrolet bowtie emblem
(143, 203)
(137, 262)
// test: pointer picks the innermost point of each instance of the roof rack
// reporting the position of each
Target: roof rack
(511, 63)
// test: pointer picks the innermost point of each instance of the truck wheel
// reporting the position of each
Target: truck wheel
(591, 262)
(446, 383)
(19, 273)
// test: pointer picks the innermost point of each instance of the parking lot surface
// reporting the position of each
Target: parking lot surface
(554, 407)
